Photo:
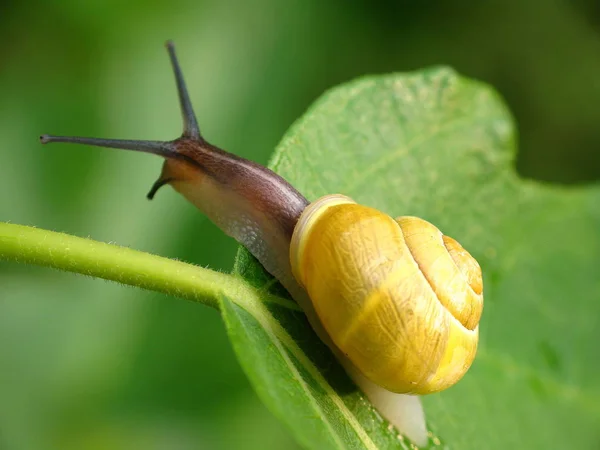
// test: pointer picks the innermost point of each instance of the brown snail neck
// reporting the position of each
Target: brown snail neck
(251, 189)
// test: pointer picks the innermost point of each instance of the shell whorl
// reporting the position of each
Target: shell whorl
(453, 274)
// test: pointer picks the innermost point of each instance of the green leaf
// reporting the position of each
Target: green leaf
(439, 146)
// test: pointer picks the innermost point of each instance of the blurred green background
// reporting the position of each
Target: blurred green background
(85, 364)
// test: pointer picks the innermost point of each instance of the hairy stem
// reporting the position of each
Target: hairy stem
(144, 270)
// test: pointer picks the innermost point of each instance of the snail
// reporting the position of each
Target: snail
(396, 301)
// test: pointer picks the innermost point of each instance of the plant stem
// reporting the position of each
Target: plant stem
(74, 254)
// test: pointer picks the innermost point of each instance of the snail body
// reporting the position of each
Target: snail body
(396, 301)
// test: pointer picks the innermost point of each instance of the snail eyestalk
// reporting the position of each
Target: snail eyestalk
(190, 123)
(165, 149)
(160, 148)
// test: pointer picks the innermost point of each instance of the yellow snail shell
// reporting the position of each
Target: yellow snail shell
(397, 297)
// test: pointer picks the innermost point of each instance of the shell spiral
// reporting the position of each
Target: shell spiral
(401, 300)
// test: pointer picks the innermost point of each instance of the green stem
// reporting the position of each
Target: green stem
(65, 252)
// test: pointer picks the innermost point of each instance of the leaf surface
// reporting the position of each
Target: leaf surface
(439, 146)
